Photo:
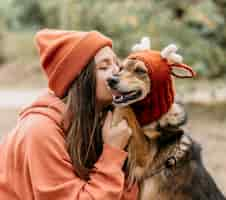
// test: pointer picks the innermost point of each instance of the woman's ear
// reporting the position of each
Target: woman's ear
(182, 71)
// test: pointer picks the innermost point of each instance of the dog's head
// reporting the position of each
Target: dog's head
(131, 83)
(146, 81)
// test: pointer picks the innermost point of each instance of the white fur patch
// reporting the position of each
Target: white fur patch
(145, 44)
(170, 54)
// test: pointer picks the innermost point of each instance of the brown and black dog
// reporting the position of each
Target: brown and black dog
(164, 160)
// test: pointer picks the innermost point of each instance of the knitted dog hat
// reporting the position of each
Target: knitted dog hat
(161, 66)
(64, 54)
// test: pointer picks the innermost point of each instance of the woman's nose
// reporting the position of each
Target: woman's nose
(116, 69)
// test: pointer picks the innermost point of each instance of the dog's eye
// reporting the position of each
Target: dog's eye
(139, 70)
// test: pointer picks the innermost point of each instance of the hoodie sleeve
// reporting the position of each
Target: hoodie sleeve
(51, 172)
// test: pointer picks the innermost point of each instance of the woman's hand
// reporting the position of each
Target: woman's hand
(118, 135)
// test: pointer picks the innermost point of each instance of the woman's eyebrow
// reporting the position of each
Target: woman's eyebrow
(103, 61)
(109, 59)
(106, 60)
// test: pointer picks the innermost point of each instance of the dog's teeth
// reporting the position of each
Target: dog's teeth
(120, 98)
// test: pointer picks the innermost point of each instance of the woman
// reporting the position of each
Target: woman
(59, 149)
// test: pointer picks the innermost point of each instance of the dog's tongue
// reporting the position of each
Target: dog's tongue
(117, 96)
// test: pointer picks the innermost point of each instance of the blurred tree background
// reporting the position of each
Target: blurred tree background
(198, 27)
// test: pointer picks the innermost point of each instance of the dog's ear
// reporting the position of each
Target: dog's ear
(178, 69)
(182, 71)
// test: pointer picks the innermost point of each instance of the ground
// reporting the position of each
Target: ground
(207, 125)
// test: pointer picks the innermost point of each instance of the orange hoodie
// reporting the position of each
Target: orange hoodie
(35, 163)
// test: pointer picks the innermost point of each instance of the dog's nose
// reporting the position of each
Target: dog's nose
(112, 81)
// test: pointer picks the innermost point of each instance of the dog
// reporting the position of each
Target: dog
(162, 158)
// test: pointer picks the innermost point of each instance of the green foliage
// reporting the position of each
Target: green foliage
(2, 55)
(123, 22)
(26, 14)
(197, 27)
(51, 12)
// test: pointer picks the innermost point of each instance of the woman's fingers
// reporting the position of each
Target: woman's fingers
(118, 135)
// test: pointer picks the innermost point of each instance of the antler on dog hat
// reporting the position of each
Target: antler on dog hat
(64, 54)
(160, 67)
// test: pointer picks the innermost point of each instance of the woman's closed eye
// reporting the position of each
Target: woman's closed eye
(104, 64)
(103, 67)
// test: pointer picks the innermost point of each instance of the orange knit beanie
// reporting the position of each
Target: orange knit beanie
(162, 93)
(64, 54)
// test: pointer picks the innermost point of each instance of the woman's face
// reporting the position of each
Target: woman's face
(107, 64)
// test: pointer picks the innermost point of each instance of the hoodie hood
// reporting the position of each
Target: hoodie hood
(48, 104)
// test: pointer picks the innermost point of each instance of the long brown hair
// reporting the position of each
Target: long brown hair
(84, 138)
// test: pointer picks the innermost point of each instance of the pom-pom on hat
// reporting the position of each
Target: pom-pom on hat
(64, 54)
(161, 66)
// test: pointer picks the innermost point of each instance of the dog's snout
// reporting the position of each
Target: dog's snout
(113, 81)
